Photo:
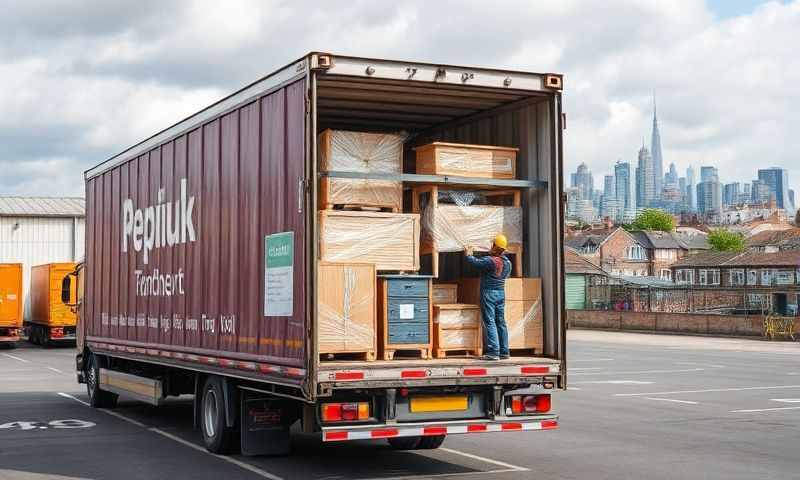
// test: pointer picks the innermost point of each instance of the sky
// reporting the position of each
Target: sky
(81, 81)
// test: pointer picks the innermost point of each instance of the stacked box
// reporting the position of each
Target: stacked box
(444, 293)
(523, 309)
(360, 152)
(439, 158)
(456, 327)
(347, 308)
(388, 240)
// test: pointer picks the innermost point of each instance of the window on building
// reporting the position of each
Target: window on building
(684, 275)
(784, 277)
(636, 252)
(665, 274)
(737, 276)
(589, 249)
(708, 277)
(767, 276)
(752, 277)
(665, 254)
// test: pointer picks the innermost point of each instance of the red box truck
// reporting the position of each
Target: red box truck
(179, 297)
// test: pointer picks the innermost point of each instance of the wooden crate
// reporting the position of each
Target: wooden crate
(388, 240)
(394, 293)
(444, 293)
(346, 298)
(474, 226)
(360, 152)
(440, 158)
(523, 309)
(456, 328)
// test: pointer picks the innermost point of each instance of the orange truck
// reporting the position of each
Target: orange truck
(10, 302)
(50, 320)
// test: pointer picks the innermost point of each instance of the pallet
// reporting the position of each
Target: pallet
(367, 356)
(423, 353)
(455, 352)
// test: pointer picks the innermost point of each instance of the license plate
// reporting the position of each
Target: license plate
(451, 403)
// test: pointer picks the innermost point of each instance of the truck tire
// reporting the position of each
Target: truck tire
(97, 398)
(217, 436)
(404, 443)
(431, 442)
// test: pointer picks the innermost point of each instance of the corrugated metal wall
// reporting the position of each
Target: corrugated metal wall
(38, 240)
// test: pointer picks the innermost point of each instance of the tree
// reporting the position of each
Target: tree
(654, 219)
(723, 240)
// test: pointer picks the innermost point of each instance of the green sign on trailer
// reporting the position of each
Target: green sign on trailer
(279, 274)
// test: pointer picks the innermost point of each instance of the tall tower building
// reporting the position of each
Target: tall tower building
(691, 197)
(624, 182)
(709, 174)
(658, 159)
(778, 181)
(709, 198)
(645, 179)
(584, 181)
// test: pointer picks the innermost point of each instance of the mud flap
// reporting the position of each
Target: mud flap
(265, 425)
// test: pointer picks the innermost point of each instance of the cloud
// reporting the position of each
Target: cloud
(81, 81)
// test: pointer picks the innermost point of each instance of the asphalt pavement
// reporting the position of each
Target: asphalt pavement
(639, 407)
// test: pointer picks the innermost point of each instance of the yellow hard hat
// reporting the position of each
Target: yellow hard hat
(501, 241)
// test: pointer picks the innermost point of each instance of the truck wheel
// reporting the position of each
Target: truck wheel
(431, 442)
(97, 398)
(404, 443)
(217, 436)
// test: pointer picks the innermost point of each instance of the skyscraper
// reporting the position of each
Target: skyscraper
(792, 205)
(658, 159)
(778, 181)
(691, 194)
(708, 174)
(623, 181)
(760, 192)
(584, 181)
(684, 198)
(645, 180)
(709, 198)
(671, 175)
(730, 193)
(609, 207)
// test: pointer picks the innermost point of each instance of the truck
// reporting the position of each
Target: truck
(179, 295)
(50, 321)
(11, 300)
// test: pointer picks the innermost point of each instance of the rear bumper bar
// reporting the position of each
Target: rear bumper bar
(372, 432)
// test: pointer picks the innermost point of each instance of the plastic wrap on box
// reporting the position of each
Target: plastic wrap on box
(467, 338)
(389, 240)
(361, 152)
(457, 316)
(466, 160)
(444, 293)
(346, 308)
(524, 320)
(454, 227)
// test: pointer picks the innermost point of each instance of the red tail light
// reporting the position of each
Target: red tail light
(542, 403)
(345, 412)
(57, 332)
(521, 404)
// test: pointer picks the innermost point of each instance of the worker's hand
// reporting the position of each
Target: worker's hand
(469, 250)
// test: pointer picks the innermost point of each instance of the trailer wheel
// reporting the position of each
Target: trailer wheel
(431, 442)
(404, 443)
(97, 398)
(217, 436)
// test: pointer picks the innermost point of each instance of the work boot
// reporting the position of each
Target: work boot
(490, 357)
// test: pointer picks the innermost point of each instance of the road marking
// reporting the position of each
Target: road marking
(700, 364)
(234, 461)
(635, 372)
(709, 390)
(55, 370)
(756, 410)
(785, 400)
(509, 466)
(67, 395)
(572, 369)
(16, 358)
(615, 382)
(671, 400)
(591, 360)
(446, 475)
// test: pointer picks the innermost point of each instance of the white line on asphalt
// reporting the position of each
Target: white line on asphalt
(700, 364)
(591, 360)
(55, 370)
(234, 461)
(67, 395)
(709, 390)
(16, 358)
(484, 459)
(633, 372)
(614, 382)
(671, 400)
(446, 475)
(572, 369)
(756, 410)
(785, 400)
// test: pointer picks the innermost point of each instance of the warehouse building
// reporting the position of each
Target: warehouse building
(37, 230)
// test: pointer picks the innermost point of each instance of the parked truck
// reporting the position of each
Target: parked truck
(184, 294)
(50, 319)
(11, 300)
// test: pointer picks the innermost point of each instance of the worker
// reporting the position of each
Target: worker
(494, 268)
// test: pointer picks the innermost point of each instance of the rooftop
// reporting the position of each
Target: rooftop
(747, 259)
(13, 206)
(574, 263)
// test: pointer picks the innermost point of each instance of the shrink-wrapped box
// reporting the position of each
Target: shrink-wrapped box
(346, 296)
(388, 240)
(439, 158)
(444, 293)
(456, 327)
(360, 152)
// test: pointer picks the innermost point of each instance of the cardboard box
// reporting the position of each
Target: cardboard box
(440, 158)
(388, 240)
(456, 327)
(346, 295)
(444, 293)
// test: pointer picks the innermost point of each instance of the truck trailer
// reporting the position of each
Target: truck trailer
(202, 261)
(50, 319)
(11, 301)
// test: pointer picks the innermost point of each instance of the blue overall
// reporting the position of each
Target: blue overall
(494, 271)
